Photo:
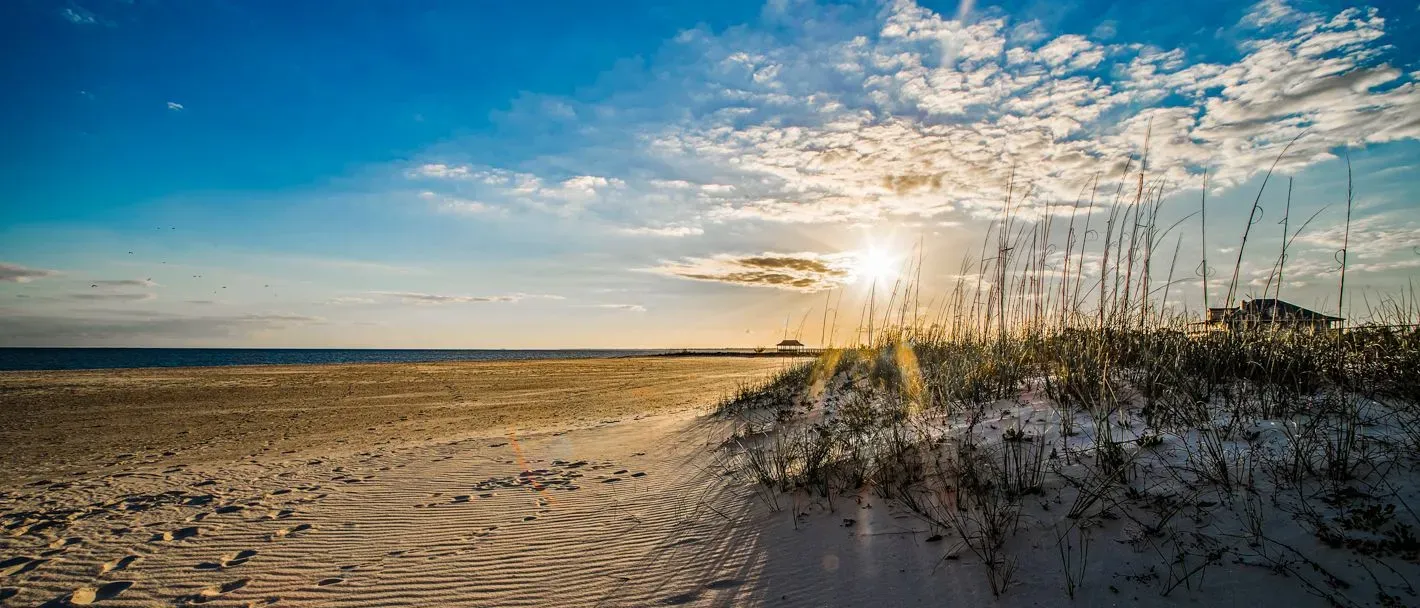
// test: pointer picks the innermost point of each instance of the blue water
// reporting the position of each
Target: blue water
(116, 358)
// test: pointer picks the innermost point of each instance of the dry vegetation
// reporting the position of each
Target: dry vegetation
(1045, 409)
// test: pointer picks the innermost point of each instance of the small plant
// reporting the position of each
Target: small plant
(1150, 440)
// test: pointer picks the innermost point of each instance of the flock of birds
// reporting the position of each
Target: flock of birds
(196, 276)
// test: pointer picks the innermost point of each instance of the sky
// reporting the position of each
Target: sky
(664, 174)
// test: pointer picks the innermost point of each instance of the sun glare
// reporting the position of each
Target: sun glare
(875, 264)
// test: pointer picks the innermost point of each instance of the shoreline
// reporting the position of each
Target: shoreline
(557, 355)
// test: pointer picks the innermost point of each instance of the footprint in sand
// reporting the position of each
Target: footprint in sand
(284, 532)
(229, 560)
(84, 596)
(121, 563)
(213, 592)
(682, 598)
(177, 534)
(19, 565)
(238, 558)
(65, 542)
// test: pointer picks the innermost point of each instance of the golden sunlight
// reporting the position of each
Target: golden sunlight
(875, 264)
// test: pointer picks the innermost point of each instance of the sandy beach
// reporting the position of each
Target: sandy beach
(481, 484)
(535, 483)
(86, 422)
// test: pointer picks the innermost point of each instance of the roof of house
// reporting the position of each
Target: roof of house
(790, 343)
(1272, 309)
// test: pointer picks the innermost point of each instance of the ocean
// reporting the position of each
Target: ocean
(16, 359)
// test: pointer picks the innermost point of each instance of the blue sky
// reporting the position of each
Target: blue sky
(558, 174)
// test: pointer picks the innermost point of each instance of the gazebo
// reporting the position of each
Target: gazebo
(790, 345)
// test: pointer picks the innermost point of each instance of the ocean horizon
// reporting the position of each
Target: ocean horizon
(77, 358)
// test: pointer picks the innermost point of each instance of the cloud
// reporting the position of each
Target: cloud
(126, 283)
(792, 271)
(175, 106)
(454, 204)
(120, 297)
(429, 298)
(1371, 238)
(14, 273)
(350, 300)
(626, 307)
(501, 188)
(137, 327)
(441, 171)
(670, 231)
(78, 15)
(909, 113)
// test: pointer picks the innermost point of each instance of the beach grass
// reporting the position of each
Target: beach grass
(1050, 401)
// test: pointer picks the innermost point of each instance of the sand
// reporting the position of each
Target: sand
(480, 484)
(559, 483)
(87, 422)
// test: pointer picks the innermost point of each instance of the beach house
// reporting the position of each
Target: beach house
(1267, 313)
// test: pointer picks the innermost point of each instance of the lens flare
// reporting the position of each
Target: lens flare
(875, 264)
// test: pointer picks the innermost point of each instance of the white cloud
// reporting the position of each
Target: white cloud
(174, 106)
(454, 204)
(497, 188)
(668, 231)
(441, 171)
(1371, 238)
(78, 15)
(625, 307)
(429, 298)
(14, 273)
(350, 301)
(922, 115)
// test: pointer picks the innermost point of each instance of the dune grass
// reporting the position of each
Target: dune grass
(1035, 383)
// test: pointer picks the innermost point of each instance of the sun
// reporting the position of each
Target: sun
(873, 264)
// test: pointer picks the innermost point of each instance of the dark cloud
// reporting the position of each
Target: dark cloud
(120, 297)
(15, 273)
(791, 263)
(793, 271)
(126, 283)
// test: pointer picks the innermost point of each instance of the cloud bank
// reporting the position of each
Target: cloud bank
(915, 114)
